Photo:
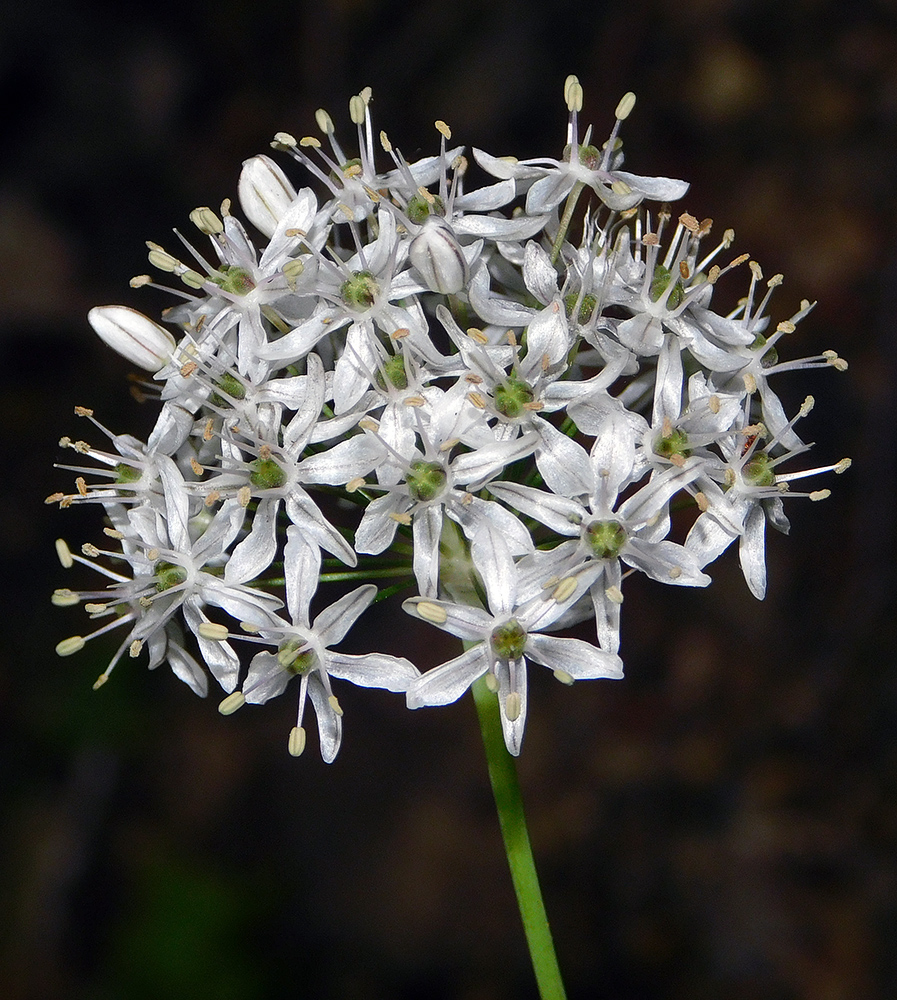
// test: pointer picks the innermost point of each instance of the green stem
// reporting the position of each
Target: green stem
(509, 803)
(569, 207)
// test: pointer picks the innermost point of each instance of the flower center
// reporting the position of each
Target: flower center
(508, 640)
(659, 284)
(512, 397)
(266, 474)
(606, 538)
(426, 480)
(169, 575)
(236, 280)
(293, 661)
(360, 291)
(758, 471)
(394, 373)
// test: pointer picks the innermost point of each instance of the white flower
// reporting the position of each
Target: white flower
(502, 639)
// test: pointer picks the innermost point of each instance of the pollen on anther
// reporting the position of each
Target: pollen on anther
(614, 594)
(297, 741)
(431, 612)
(71, 645)
(83, 411)
(842, 466)
(231, 703)
(702, 502)
(244, 495)
(820, 494)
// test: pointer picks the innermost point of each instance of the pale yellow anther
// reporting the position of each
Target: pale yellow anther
(491, 682)
(414, 401)
(187, 369)
(400, 518)
(309, 141)
(206, 221)
(297, 741)
(477, 335)
(431, 612)
(563, 676)
(135, 648)
(208, 430)
(292, 270)
(775, 281)
(806, 406)
(212, 498)
(90, 550)
(113, 533)
(728, 238)
(283, 139)
(713, 404)
(234, 701)
(82, 447)
(620, 187)
(385, 143)
(473, 378)
(442, 128)
(196, 467)
(250, 627)
(357, 109)
(96, 609)
(162, 260)
(83, 411)
(675, 572)
(624, 108)
(145, 602)
(651, 240)
(513, 706)
(839, 364)
(369, 424)
(71, 645)
(477, 400)
(140, 281)
(677, 460)
(614, 594)
(573, 94)
(564, 590)
(355, 484)
(324, 121)
(449, 444)
(689, 222)
(192, 279)
(428, 196)
(54, 498)
(750, 383)
(64, 598)
(213, 631)
(756, 270)
(81, 486)
(820, 494)
(786, 326)
(400, 333)
(842, 466)
(335, 705)
(100, 681)
(739, 260)
(244, 495)
(702, 502)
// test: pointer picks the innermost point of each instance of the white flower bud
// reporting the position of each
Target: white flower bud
(437, 255)
(265, 193)
(133, 335)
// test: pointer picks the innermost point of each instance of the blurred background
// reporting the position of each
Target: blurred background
(720, 824)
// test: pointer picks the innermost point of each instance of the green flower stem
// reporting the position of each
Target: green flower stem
(569, 207)
(509, 803)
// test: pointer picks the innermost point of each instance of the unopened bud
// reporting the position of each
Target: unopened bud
(438, 257)
(265, 193)
(133, 335)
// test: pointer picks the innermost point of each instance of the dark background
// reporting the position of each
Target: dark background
(720, 824)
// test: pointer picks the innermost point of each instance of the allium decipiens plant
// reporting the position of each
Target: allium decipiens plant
(491, 397)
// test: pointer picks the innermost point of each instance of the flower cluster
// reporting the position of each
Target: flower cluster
(415, 380)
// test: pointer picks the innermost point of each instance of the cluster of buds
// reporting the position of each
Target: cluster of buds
(437, 386)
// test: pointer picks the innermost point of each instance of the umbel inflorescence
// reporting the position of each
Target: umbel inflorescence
(455, 389)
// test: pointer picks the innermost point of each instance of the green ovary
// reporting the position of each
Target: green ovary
(236, 280)
(266, 474)
(293, 661)
(394, 373)
(675, 443)
(512, 397)
(169, 575)
(659, 284)
(360, 291)
(426, 480)
(606, 538)
(508, 640)
(758, 471)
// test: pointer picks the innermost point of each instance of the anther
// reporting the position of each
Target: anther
(231, 703)
(213, 631)
(431, 612)
(614, 594)
(70, 645)
(563, 676)
(513, 706)
(297, 741)
(820, 494)
(842, 466)
(64, 598)
(564, 590)
(134, 648)
(624, 108)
